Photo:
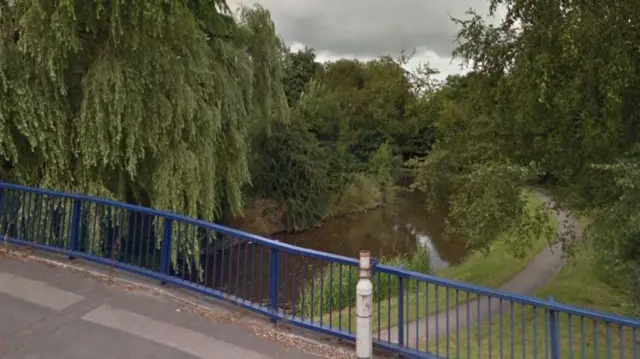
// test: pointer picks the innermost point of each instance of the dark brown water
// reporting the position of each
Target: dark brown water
(243, 268)
(396, 229)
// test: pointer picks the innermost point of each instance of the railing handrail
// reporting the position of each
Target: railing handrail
(517, 298)
(451, 284)
(185, 219)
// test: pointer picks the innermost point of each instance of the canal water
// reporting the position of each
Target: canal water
(396, 229)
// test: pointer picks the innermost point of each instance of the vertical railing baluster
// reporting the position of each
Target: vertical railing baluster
(304, 290)
(349, 289)
(34, 230)
(546, 335)
(74, 243)
(417, 314)
(622, 338)
(511, 309)
(238, 267)
(340, 281)
(252, 287)
(457, 323)
(595, 338)
(137, 236)
(144, 236)
(312, 294)
(2, 211)
(378, 291)
(489, 326)
(330, 295)
(426, 309)
(321, 299)
(570, 319)
(156, 235)
(261, 275)
(165, 260)
(635, 340)
(583, 344)
(223, 256)
(468, 301)
(608, 340)
(45, 220)
(283, 274)
(295, 285)
(388, 304)
(274, 281)
(183, 247)
(26, 217)
(535, 332)
(232, 241)
(207, 253)
(478, 321)
(554, 333)
(436, 311)
(501, 327)
(446, 307)
(244, 271)
(523, 314)
(400, 310)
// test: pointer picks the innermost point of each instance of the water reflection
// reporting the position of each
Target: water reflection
(396, 229)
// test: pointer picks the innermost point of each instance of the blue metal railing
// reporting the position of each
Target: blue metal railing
(414, 314)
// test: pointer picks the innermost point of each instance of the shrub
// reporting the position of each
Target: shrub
(331, 290)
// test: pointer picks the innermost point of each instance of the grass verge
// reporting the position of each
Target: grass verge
(490, 270)
(525, 333)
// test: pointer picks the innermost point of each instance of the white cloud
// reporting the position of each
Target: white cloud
(445, 65)
(367, 29)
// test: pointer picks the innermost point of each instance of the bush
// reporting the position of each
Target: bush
(361, 193)
(330, 291)
(291, 168)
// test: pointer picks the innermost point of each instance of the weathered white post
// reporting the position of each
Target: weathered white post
(364, 308)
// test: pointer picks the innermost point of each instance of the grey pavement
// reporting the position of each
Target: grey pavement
(50, 312)
(540, 271)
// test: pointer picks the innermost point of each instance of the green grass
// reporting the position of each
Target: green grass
(490, 270)
(330, 289)
(577, 284)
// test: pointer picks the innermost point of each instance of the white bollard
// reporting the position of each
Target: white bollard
(364, 308)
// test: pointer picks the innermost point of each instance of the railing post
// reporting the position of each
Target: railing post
(364, 308)
(74, 241)
(274, 280)
(165, 258)
(554, 333)
(400, 311)
(1, 193)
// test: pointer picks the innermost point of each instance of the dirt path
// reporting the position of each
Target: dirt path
(540, 271)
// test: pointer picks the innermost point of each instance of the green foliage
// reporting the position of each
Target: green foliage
(333, 288)
(292, 168)
(144, 102)
(552, 96)
(299, 69)
(384, 166)
(153, 97)
(341, 152)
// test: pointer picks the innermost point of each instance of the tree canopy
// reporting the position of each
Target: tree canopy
(552, 100)
(188, 107)
(137, 99)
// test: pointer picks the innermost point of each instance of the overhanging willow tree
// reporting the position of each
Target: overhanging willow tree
(144, 101)
(116, 98)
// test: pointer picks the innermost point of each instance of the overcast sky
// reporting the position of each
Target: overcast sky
(370, 28)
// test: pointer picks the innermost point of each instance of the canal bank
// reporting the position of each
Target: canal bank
(491, 269)
(398, 234)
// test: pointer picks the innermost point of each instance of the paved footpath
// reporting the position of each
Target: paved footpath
(50, 312)
(540, 271)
